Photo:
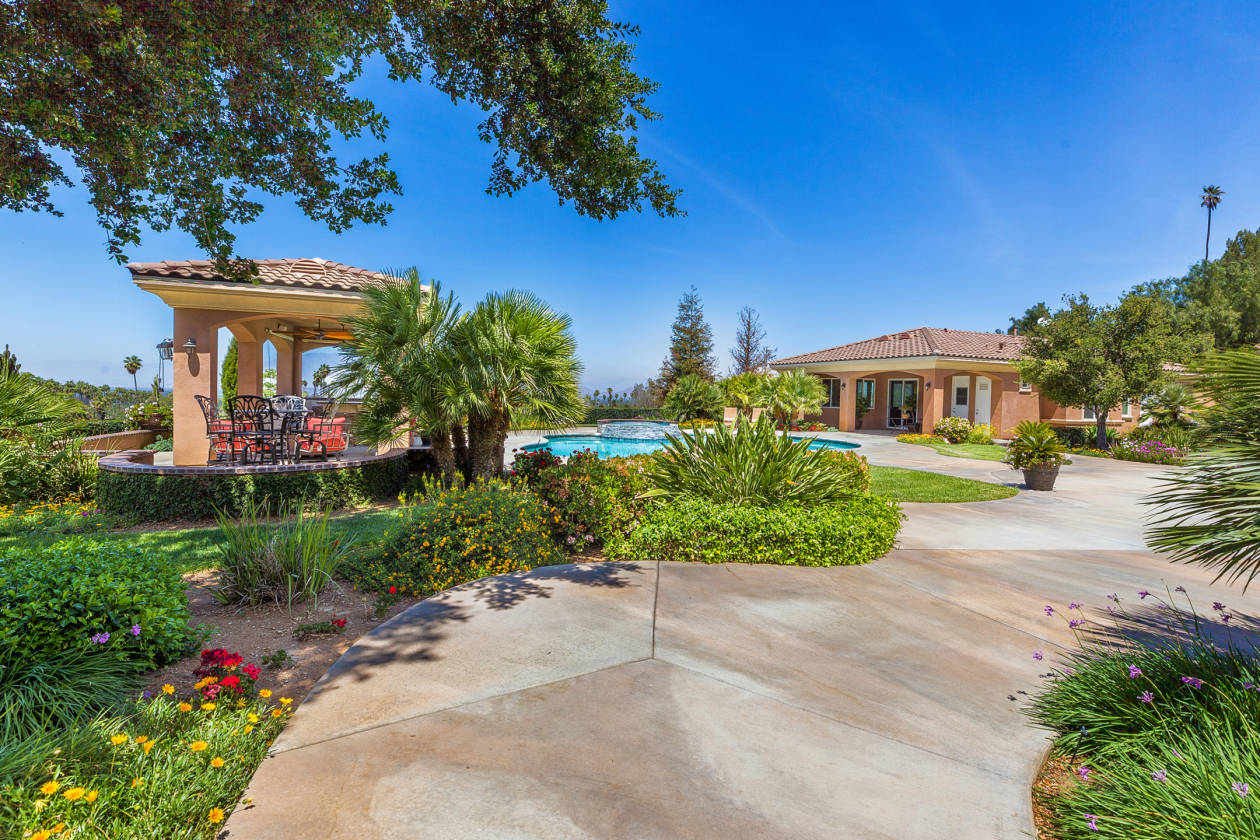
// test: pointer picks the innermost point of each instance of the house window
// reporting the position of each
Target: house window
(834, 391)
(1126, 410)
(1087, 413)
(1025, 387)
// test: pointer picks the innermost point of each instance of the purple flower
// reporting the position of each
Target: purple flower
(1134, 672)
(1075, 605)
(1181, 589)
(146, 694)
(1161, 606)
(135, 629)
(1038, 655)
(1069, 671)
(1142, 593)
(1193, 682)
(1146, 697)
(1093, 826)
(1226, 617)
(1179, 755)
(1160, 775)
(1250, 686)
(1113, 597)
(1084, 773)
(1241, 788)
(100, 638)
(1218, 606)
(1076, 622)
(1111, 609)
(1049, 610)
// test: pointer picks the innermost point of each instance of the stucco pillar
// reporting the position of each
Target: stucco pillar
(299, 347)
(848, 404)
(933, 400)
(192, 373)
(285, 365)
(249, 357)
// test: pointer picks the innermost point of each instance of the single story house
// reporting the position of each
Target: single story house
(911, 379)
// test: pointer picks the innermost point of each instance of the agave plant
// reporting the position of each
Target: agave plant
(754, 466)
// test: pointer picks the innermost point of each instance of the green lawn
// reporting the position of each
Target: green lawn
(193, 549)
(979, 451)
(904, 485)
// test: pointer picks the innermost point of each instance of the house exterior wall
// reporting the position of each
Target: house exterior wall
(1009, 405)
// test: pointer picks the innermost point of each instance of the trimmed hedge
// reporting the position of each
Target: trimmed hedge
(58, 597)
(688, 529)
(594, 413)
(90, 428)
(152, 497)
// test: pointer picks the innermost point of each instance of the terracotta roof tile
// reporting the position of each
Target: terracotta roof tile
(921, 341)
(311, 273)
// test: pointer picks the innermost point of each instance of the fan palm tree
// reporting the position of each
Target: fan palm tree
(1211, 198)
(792, 392)
(35, 422)
(393, 361)
(693, 396)
(743, 390)
(131, 364)
(1171, 405)
(513, 363)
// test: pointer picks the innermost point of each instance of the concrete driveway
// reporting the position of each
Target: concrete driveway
(669, 700)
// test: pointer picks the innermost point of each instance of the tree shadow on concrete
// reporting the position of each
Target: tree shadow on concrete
(1155, 628)
(415, 635)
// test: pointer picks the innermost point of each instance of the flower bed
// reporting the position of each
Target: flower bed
(1148, 452)
(921, 440)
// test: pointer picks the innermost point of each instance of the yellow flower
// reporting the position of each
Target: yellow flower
(167, 688)
(74, 793)
(216, 762)
(286, 700)
(137, 782)
(42, 834)
(146, 746)
(264, 693)
(185, 707)
(91, 796)
(58, 828)
(140, 739)
(207, 707)
(198, 746)
(120, 738)
(249, 728)
(49, 788)
(276, 713)
(252, 718)
(215, 815)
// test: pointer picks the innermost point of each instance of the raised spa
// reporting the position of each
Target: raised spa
(637, 429)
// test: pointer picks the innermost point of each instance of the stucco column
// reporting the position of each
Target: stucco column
(193, 373)
(933, 400)
(848, 404)
(249, 357)
(284, 365)
(299, 347)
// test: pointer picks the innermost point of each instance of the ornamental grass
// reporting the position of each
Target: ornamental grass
(161, 768)
(1159, 712)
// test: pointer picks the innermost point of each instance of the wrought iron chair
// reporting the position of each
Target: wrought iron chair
(254, 421)
(223, 443)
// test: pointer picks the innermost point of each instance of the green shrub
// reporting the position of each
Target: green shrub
(61, 596)
(754, 466)
(1169, 717)
(595, 413)
(953, 429)
(457, 535)
(162, 444)
(51, 518)
(1034, 445)
(981, 433)
(91, 428)
(150, 497)
(856, 530)
(696, 423)
(595, 500)
(39, 695)
(284, 561)
(693, 396)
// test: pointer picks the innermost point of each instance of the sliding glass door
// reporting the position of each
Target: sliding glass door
(903, 402)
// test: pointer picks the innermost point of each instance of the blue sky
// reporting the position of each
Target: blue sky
(847, 172)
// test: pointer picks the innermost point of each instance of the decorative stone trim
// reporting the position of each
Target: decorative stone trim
(133, 461)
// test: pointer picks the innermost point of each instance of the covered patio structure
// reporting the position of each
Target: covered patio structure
(297, 304)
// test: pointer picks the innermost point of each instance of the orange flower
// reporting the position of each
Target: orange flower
(74, 793)
(91, 796)
(207, 707)
(286, 700)
(249, 728)
(185, 707)
(215, 815)
(198, 746)
(140, 739)
(276, 713)
(167, 688)
(146, 746)
(49, 788)
(120, 738)
(264, 693)
(42, 834)
(216, 762)
(137, 782)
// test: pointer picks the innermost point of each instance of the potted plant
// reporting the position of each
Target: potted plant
(1036, 450)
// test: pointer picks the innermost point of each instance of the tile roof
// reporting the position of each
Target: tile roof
(922, 341)
(310, 273)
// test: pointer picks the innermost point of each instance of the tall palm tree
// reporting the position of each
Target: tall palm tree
(131, 364)
(1211, 198)
(513, 361)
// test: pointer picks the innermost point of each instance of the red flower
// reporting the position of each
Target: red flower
(339, 622)
(251, 671)
(393, 590)
(230, 681)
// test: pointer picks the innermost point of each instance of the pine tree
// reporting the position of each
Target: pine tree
(227, 376)
(8, 361)
(750, 354)
(690, 346)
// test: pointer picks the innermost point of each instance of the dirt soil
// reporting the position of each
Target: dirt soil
(1055, 776)
(255, 632)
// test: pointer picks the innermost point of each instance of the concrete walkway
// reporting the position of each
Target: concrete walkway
(669, 700)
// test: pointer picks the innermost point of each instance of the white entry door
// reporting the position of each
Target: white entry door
(983, 398)
(961, 396)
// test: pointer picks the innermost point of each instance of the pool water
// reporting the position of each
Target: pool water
(615, 448)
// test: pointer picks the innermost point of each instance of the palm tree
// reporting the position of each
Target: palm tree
(693, 396)
(35, 422)
(513, 363)
(1211, 198)
(743, 390)
(792, 392)
(131, 364)
(1171, 405)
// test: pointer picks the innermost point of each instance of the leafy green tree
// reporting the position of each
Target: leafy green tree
(184, 114)
(792, 392)
(1220, 297)
(1099, 356)
(690, 345)
(750, 354)
(1029, 322)
(269, 382)
(8, 361)
(1211, 198)
(132, 364)
(693, 397)
(1207, 514)
(227, 376)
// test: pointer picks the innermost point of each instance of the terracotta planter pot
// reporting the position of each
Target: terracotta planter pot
(1041, 477)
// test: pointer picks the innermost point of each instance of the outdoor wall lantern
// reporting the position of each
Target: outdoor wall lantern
(166, 350)
(190, 346)
(927, 384)
(843, 384)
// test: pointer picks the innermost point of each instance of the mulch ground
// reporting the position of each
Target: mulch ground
(1054, 777)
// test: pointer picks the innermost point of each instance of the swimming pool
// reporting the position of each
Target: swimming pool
(617, 448)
